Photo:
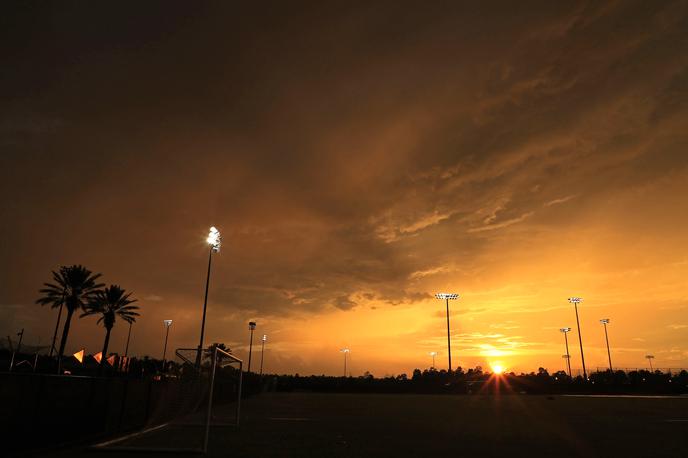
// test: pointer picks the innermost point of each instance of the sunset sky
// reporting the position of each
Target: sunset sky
(357, 160)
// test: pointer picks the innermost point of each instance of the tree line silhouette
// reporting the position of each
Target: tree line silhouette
(476, 381)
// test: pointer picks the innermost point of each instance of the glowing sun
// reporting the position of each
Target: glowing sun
(497, 369)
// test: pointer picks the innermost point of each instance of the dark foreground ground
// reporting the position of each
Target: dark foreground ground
(348, 425)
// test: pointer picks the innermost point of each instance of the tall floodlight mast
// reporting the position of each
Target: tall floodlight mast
(262, 352)
(433, 354)
(214, 241)
(605, 322)
(167, 324)
(251, 327)
(649, 360)
(447, 297)
(568, 362)
(575, 301)
(126, 348)
(346, 352)
(565, 331)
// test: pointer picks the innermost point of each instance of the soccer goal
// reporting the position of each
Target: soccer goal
(194, 394)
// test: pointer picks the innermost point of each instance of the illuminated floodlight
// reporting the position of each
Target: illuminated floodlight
(575, 300)
(433, 354)
(346, 352)
(214, 239)
(262, 352)
(448, 296)
(168, 323)
(565, 329)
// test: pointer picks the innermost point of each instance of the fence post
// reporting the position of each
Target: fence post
(148, 398)
(123, 406)
(213, 368)
(39, 399)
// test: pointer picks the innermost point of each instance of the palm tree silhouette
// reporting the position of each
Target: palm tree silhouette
(111, 303)
(73, 287)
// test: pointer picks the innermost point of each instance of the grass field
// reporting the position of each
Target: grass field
(350, 425)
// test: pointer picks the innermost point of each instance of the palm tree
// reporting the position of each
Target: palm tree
(111, 303)
(56, 301)
(73, 287)
(221, 346)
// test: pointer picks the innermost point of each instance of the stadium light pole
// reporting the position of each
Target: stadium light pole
(214, 240)
(57, 326)
(433, 354)
(262, 352)
(16, 352)
(167, 323)
(568, 363)
(126, 349)
(251, 327)
(346, 352)
(565, 331)
(35, 357)
(605, 322)
(447, 297)
(21, 336)
(649, 360)
(575, 301)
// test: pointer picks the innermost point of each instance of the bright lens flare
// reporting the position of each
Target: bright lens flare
(497, 369)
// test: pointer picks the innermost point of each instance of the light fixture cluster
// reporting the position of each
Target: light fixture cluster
(450, 296)
(214, 239)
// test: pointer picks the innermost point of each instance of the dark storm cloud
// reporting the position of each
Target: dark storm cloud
(347, 154)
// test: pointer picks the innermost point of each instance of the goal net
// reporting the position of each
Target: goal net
(192, 396)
